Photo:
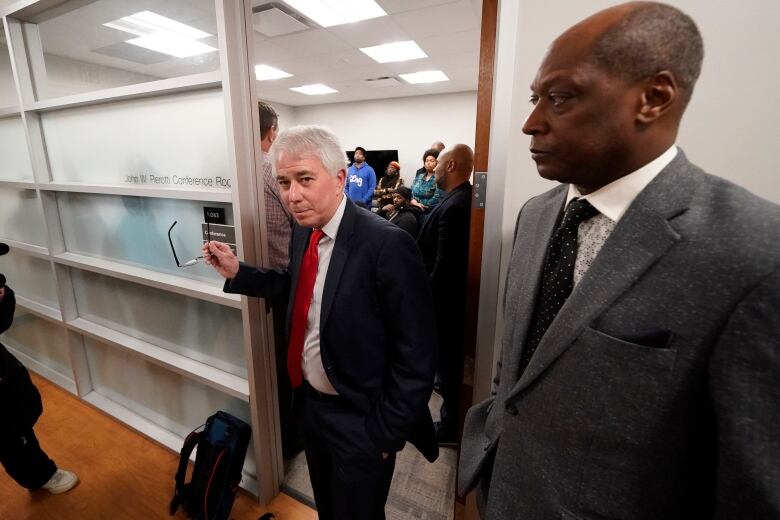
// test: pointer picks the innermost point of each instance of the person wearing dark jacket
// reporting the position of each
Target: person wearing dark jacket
(20, 407)
(362, 380)
(444, 243)
(400, 212)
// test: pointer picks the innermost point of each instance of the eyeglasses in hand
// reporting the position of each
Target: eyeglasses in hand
(188, 263)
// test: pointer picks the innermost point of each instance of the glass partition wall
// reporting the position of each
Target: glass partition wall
(117, 119)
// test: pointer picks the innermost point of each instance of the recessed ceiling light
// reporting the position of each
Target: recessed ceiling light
(398, 51)
(336, 12)
(314, 90)
(161, 34)
(264, 72)
(426, 76)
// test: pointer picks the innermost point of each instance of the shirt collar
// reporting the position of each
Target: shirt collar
(614, 199)
(331, 229)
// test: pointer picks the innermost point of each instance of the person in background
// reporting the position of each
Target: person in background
(400, 213)
(20, 407)
(436, 145)
(387, 185)
(278, 219)
(425, 193)
(444, 243)
(362, 380)
(640, 371)
(361, 180)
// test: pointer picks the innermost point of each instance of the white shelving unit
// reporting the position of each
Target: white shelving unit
(22, 24)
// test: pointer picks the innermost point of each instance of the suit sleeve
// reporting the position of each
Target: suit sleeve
(270, 284)
(405, 300)
(745, 390)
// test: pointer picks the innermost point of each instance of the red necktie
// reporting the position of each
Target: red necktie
(303, 296)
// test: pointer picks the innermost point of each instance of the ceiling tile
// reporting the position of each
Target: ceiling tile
(371, 32)
(441, 19)
(311, 43)
(453, 43)
(345, 60)
(400, 6)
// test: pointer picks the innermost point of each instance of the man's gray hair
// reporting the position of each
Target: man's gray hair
(651, 38)
(317, 141)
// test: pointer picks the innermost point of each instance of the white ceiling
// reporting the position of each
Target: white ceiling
(447, 30)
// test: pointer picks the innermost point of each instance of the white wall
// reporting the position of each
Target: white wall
(286, 113)
(408, 125)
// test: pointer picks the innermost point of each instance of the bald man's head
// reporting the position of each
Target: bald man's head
(636, 40)
(610, 93)
(454, 167)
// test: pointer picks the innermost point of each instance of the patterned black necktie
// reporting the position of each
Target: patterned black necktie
(558, 274)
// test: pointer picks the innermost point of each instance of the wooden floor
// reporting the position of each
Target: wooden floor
(123, 475)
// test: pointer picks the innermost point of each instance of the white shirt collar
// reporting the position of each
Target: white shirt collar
(331, 229)
(614, 199)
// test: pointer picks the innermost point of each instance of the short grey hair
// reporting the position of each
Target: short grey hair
(651, 38)
(317, 141)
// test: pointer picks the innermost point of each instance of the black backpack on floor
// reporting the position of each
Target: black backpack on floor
(222, 446)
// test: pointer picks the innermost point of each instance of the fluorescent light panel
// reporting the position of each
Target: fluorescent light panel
(315, 89)
(328, 13)
(425, 76)
(398, 51)
(161, 34)
(265, 72)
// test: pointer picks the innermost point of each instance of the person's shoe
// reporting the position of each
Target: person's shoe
(62, 481)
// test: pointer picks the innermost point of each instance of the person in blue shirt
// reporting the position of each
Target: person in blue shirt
(361, 180)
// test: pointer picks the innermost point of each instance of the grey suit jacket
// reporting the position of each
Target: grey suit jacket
(655, 393)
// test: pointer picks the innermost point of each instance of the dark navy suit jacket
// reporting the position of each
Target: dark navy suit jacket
(377, 333)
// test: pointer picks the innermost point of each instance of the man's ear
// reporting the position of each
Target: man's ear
(659, 95)
(342, 177)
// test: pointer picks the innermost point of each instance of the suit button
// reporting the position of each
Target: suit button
(511, 409)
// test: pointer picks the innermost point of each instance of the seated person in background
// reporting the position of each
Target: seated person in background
(400, 213)
(361, 180)
(425, 193)
(392, 180)
(20, 407)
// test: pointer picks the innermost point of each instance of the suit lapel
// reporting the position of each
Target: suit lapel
(532, 257)
(337, 260)
(642, 237)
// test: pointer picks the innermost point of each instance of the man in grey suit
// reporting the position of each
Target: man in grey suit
(640, 371)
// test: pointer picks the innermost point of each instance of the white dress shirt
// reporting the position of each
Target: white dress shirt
(611, 201)
(313, 369)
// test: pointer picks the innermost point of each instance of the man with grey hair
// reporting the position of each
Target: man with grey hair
(640, 364)
(362, 340)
